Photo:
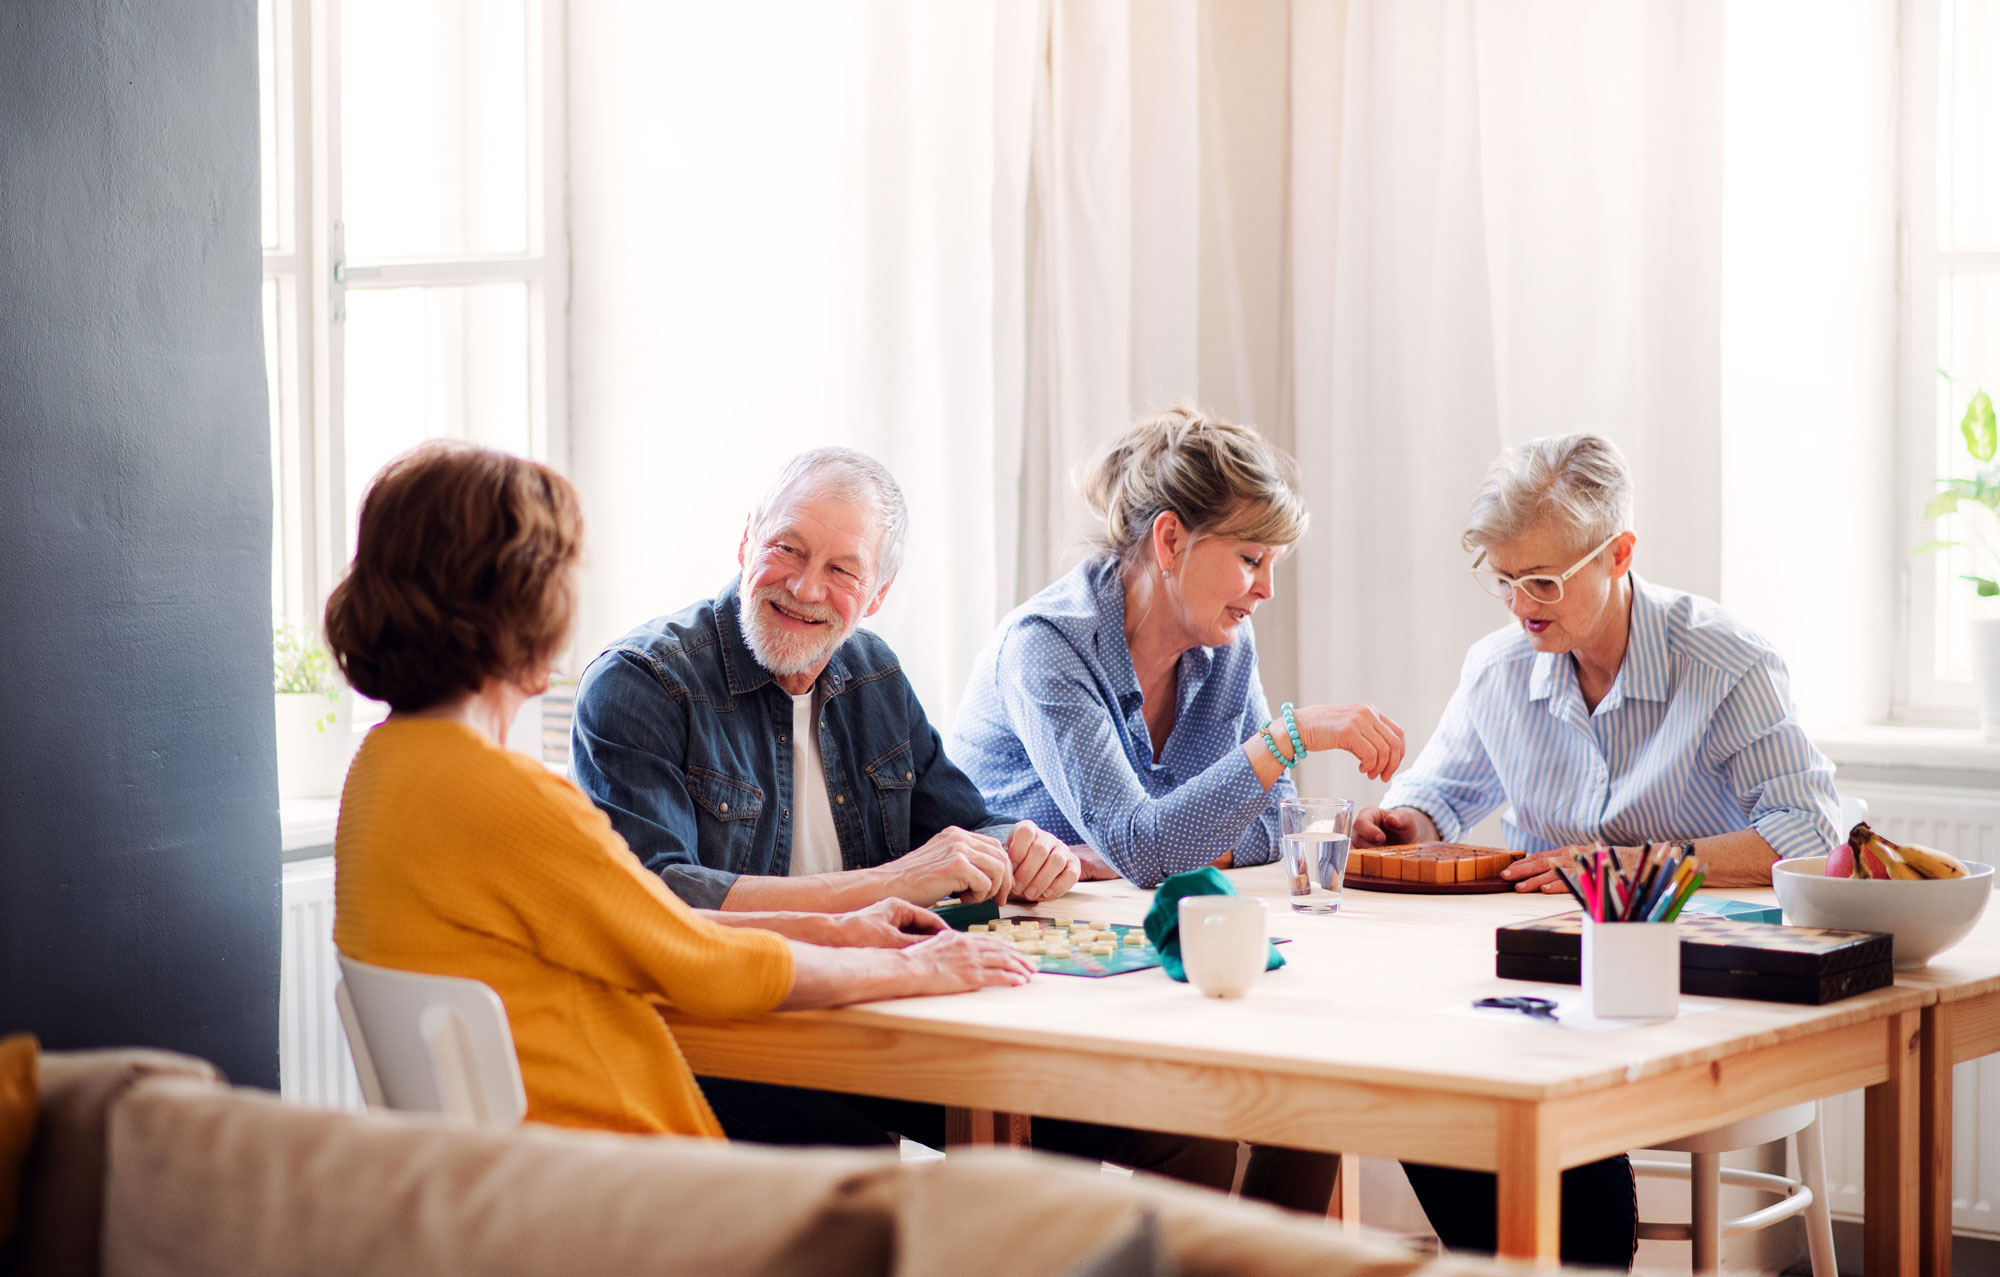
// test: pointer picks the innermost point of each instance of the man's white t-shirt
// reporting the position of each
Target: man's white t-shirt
(815, 844)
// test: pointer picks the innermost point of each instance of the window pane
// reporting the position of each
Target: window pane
(1969, 334)
(272, 338)
(270, 122)
(434, 127)
(428, 362)
(1970, 207)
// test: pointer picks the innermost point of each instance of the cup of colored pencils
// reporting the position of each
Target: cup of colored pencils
(1631, 947)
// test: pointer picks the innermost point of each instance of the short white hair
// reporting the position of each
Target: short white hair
(848, 475)
(1579, 482)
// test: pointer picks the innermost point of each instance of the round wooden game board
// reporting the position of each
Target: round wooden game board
(1477, 887)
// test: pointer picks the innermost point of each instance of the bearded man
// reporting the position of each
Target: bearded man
(761, 752)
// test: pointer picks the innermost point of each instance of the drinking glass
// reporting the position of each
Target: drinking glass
(1315, 834)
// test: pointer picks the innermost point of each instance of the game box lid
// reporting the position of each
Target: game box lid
(1725, 944)
(1716, 982)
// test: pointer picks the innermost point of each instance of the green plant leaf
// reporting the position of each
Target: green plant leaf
(1987, 586)
(1933, 546)
(1942, 504)
(1981, 436)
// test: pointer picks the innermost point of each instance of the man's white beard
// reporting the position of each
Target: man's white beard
(786, 654)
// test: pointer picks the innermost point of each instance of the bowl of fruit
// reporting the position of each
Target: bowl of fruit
(1927, 899)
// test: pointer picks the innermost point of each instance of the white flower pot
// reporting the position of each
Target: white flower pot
(1986, 673)
(312, 761)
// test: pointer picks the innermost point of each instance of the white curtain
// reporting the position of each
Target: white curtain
(978, 238)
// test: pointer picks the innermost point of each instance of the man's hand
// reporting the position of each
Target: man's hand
(1395, 827)
(893, 923)
(957, 862)
(1042, 866)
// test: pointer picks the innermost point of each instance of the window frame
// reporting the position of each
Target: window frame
(315, 276)
(1922, 694)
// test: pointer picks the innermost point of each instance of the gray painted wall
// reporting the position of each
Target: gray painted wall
(138, 794)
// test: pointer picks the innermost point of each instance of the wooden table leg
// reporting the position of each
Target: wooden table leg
(1346, 1203)
(1529, 1187)
(1890, 1218)
(985, 1126)
(1934, 1142)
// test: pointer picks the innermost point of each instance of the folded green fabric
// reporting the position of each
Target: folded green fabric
(1163, 920)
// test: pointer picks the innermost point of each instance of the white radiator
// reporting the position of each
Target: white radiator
(1967, 824)
(313, 1064)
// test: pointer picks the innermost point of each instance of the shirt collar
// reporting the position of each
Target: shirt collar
(1107, 587)
(1647, 674)
(746, 673)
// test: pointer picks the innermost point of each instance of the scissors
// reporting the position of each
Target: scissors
(1536, 1008)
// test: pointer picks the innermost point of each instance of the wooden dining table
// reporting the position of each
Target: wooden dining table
(1365, 1043)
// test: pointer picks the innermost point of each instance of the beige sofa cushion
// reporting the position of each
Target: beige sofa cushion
(217, 1182)
(62, 1188)
(1001, 1211)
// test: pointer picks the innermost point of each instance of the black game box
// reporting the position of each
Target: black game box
(1720, 957)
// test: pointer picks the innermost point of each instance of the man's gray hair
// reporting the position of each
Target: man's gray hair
(849, 475)
(1580, 482)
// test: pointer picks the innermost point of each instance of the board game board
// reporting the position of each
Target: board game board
(1075, 956)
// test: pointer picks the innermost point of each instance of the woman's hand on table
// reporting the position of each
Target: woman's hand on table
(1362, 730)
(953, 962)
(1536, 871)
(892, 923)
(1393, 827)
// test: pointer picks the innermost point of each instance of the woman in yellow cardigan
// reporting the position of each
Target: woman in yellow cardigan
(456, 857)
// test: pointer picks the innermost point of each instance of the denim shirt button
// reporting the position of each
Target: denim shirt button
(909, 775)
(725, 809)
(840, 798)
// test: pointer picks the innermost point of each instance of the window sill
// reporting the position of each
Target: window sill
(306, 827)
(1949, 756)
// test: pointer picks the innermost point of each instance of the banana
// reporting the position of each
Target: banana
(1932, 863)
(1877, 857)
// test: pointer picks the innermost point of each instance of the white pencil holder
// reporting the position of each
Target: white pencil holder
(1631, 970)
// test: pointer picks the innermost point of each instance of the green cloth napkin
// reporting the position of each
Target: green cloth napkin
(1163, 920)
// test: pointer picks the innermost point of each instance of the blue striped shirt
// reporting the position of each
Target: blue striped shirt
(1052, 730)
(1697, 736)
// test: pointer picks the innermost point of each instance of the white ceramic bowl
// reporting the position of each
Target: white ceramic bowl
(1926, 917)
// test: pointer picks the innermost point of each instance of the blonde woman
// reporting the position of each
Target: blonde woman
(1120, 709)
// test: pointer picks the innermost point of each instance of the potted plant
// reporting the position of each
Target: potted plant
(1974, 505)
(315, 740)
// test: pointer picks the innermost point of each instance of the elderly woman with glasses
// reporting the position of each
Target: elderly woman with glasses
(1609, 710)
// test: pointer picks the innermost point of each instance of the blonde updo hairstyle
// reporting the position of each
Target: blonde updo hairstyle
(1218, 478)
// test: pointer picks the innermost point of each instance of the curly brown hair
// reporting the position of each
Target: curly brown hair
(464, 570)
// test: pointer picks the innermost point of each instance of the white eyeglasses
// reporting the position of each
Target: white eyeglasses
(1540, 587)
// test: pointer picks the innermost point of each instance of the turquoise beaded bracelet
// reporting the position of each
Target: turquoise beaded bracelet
(1292, 726)
(1298, 746)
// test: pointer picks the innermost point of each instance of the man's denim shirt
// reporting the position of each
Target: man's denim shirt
(685, 741)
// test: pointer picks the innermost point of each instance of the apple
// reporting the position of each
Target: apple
(1840, 862)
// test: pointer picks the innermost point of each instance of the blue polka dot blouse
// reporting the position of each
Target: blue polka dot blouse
(1051, 729)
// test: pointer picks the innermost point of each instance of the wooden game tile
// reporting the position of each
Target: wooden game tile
(1366, 863)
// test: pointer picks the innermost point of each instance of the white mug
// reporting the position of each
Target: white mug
(1223, 943)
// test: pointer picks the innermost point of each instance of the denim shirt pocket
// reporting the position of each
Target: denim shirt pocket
(895, 777)
(729, 812)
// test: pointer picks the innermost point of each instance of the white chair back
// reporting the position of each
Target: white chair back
(431, 1044)
(1852, 812)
